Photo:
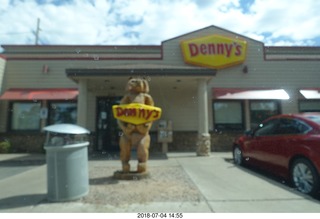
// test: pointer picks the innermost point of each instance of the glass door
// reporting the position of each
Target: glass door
(108, 132)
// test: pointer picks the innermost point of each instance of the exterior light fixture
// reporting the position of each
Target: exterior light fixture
(245, 69)
(45, 69)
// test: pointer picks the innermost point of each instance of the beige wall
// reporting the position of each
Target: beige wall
(28, 74)
(178, 104)
(288, 75)
(3, 104)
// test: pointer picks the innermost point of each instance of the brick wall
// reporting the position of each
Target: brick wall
(183, 141)
(25, 142)
(186, 141)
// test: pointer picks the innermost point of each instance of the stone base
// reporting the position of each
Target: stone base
(204, 144)
(132, 175)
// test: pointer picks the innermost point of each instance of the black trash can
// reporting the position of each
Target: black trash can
(67, 162)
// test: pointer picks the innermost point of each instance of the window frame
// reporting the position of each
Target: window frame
(229, 126)
(308, 101)
(11, 113)
(49, 105)
(279, 110)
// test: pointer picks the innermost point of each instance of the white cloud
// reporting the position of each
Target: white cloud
(295, 19)
(152, 21)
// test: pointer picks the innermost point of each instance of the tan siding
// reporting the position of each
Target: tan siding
(178, 105)
(28, 74)
(290, 80)
(288, 75)
(270, 74)
(3, 104)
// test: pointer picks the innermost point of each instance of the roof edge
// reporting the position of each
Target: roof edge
(212, 26)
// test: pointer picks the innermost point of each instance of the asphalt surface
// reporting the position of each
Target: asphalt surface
(222, 186)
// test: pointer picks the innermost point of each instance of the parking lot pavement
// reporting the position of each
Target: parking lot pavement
(22, 192)
(228, 188)
(223, 187)
(13, 164)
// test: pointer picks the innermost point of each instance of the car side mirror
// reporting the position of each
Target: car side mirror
(249, 133)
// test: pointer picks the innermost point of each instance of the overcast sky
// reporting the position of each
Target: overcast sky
(149, 22)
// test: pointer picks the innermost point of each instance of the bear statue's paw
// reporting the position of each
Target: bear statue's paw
(142, 167)
(126, 168)
(132, 175)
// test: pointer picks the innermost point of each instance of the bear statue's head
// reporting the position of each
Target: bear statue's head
(137, 85)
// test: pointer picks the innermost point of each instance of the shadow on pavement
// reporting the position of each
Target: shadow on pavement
(104, 156)
(27, 160)
(273, 179)
(103, 181)
(22, 201)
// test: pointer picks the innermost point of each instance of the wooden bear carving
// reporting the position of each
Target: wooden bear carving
(135, 136)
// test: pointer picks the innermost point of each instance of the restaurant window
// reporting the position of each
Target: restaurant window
(25, 116)
(228, 115)
(309, 106)
(62, 112)
(261, 110)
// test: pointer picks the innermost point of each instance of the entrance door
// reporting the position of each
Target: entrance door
(106, 125)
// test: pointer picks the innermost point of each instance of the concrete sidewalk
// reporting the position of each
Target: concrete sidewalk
(221, 187)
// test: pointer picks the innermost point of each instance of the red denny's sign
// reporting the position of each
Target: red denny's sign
(214, 51)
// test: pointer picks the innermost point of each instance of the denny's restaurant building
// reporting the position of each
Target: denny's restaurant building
(212, 84)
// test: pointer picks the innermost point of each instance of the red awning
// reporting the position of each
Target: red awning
(311, 93)
(249, 94)
(40, 94)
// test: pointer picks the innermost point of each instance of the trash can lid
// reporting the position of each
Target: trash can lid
(66, 129)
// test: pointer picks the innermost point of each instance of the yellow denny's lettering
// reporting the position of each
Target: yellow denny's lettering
(136, 113)
(214, 51)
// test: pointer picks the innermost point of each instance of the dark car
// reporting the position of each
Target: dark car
(287, 146)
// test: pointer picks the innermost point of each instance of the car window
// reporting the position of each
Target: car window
(314, 118)
(292, 126)
(302, 126)
(267, 128)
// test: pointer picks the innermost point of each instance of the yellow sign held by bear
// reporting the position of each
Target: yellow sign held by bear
(136, 113)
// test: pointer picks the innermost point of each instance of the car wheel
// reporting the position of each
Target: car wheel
(237, 156)
(304, 176)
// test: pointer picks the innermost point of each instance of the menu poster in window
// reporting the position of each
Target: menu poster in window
(43, 113)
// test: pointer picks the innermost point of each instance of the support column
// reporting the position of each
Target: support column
(290, 105)
(204, 140)
(247, 114)
(82, 103)
(44, 118)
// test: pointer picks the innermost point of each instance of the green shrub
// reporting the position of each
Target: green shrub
(4, 146)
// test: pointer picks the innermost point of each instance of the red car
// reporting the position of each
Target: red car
(287, 146)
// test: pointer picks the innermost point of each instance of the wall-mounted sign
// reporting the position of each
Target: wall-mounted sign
(214, 51)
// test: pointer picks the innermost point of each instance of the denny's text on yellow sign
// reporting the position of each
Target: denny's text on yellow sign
(214, 51)
(136, 113)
